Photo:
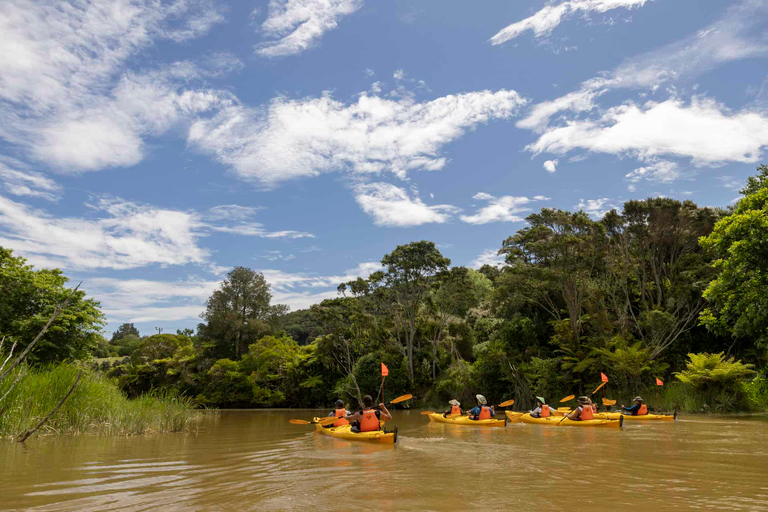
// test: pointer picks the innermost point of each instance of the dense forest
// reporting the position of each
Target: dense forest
(660, 290)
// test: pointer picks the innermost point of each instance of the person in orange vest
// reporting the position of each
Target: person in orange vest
(638, 408)
(481, 411)
(369, 418)
(583, 412)
(340, 412)
(542, 410)
(455, 408)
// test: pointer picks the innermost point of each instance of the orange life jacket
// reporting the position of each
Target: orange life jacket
(369, 422)
(643, 410)
(485, 413)
(545, 411)
(586, 413)
(340, 413)
(455, 409)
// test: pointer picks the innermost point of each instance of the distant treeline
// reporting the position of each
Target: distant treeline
(662, 289)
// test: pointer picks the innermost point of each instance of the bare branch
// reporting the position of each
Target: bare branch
(48, 416)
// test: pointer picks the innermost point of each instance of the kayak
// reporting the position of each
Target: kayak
(513, 416)
(464, 420)
(345, 432)
(554, 421)
(629, 417)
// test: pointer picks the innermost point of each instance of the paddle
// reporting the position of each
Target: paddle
(607, 402)
(399, 399)
(598, 388)
(425, 413)
(567, 399)
(323, 422)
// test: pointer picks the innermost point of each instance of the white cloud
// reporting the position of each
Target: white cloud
(488, 257)
(128, 235)
(392, 206)
(29, 183)
(543, 22)
(240, 223)
(124, 235)
(702, 130)
(64, 94)
(499, 209)
(289, 139)
(541, 198)
(596, 208)
(550, 165)
(399, 74)
(298, 24)
(662, 171)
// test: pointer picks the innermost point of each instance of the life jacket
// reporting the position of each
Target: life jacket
(369, 422)
(455, 409)
(545, 411)
(485, 413)
(340, 413)
(586, 413)
(642, 411)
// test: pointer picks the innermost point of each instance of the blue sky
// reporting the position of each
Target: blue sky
(148, 147)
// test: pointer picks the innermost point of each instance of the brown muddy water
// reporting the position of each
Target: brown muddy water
(256, 460)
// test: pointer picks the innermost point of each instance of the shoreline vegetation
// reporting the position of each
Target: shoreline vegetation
(665, 298)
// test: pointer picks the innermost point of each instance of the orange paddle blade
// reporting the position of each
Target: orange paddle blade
(401, 399)
(300, 422)
(425, 413)
(599, 387)
(607, 402)
(328, 420)
(568, 398)
(507, 403)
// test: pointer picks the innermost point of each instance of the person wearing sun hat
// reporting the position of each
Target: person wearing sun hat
(583, 412)
(481, 411)
(638, 408)
(455, 408)
(542, 410)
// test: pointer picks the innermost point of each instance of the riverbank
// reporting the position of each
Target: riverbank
(96, 406)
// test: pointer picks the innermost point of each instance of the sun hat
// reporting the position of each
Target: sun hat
(339, 404)
(454, 402)
(541, 399)
(583, 400)
(638, 399)
(481, 399)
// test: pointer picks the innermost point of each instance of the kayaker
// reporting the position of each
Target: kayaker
(481, 411)
(369, 418)
(542, 409)
(583, 412)
(638, 408)
(340, 412)
(455, 408)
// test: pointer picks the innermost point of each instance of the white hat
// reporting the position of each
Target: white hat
(481, 399)
(454, 402)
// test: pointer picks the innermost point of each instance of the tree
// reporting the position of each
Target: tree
(738, 302)
(410, 269)
(27, 299)
(238, 313)
(123, 331)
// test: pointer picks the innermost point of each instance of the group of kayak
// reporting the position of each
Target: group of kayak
(367, 424)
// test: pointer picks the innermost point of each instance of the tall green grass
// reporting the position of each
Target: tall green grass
(95, 407)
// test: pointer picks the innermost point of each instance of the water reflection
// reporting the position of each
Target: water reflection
(256, 460)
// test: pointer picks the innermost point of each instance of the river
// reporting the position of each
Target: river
(256, 460)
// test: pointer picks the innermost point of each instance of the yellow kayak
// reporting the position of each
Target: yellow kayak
(554, 421)
(629, 417)
(345, 432)
(514, 416)
(464, 420)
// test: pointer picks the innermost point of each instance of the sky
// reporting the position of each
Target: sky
(147, 147)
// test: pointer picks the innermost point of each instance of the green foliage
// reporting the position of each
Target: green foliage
(126, 345)
(738, 302)
(28, 297)
(713, 371)
(95, 407)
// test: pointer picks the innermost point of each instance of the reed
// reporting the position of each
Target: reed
(95, 407)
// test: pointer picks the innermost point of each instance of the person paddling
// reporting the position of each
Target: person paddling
(340, 412)
(369, 418)
(542, 410)
(481, 411)
(638, 408)
(583, 412)
(454, 410)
